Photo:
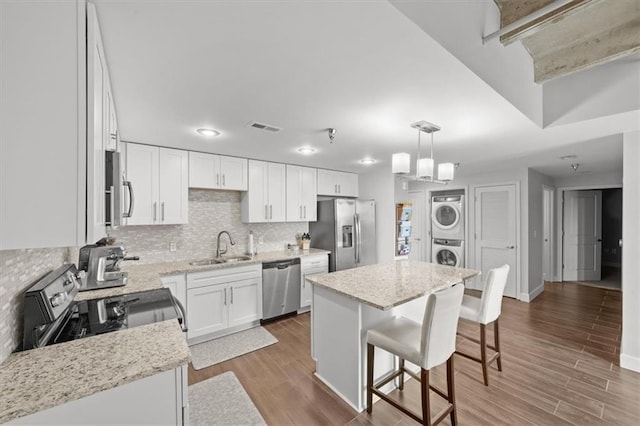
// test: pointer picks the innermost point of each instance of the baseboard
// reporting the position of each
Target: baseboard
(630, 362)
(528, 297)
(337, 392)
(612, 264)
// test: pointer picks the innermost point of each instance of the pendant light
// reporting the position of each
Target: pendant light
(425, 167)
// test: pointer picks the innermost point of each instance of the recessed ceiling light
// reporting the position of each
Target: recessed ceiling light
(306, 150)
(368, 161)
(208, 132)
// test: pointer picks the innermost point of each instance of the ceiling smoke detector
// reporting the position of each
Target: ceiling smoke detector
(575, 166)
(265, 127)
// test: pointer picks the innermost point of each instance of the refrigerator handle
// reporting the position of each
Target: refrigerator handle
(356, 218)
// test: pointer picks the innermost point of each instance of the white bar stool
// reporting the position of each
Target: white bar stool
(427, 345)
(486, 310)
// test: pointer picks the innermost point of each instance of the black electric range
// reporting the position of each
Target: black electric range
(52, 316)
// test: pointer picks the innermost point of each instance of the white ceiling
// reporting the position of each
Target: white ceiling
(360, 67)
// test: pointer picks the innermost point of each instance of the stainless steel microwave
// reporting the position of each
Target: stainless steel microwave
(118, 203)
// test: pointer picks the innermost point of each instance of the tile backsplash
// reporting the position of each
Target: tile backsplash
(210, 211)
(19, 269)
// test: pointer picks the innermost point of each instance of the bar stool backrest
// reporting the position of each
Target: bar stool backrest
(491, 300)
(439, 326)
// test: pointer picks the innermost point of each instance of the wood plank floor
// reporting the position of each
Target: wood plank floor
(560, 367)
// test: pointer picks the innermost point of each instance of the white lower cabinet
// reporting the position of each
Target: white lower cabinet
(310, 265)
(223, 301)
(158, 399)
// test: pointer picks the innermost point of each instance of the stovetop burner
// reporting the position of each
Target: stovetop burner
(92, 317)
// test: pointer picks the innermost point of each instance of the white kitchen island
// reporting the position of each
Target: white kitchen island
(347, 303)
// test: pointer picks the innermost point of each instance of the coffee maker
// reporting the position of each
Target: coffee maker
(102, 266)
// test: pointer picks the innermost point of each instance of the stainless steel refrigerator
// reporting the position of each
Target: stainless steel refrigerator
(347, 228)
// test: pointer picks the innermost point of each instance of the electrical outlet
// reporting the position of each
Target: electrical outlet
(173, 246)
(260, 240)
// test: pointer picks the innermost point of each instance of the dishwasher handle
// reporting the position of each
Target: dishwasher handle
(281, 264)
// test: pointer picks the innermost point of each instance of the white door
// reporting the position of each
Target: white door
(347, 184)
(495, 231)
(142, 172)
(174, 186)
(177, 284)
(234, 173)
(208, 310)
(547, 221)
(255, 202)
(294, 194)
(418, 240)
(582, 243)
(308, 187)
(277, 192)
(245, 301)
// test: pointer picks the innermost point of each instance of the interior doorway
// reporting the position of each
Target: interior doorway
(547, 233)
(591, 235)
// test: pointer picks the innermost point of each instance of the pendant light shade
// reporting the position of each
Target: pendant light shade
(401, 163)
(425, 167)
(445, 171)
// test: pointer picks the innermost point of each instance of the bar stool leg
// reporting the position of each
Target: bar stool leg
(451, 392)
(483, 353)
(496, 336)
(370, 352)
(401, 377)
(426, 409)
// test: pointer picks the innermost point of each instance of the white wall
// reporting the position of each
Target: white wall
(630, 345)
(379, 185)
(602, 180)
(458, 26)
(613, 89)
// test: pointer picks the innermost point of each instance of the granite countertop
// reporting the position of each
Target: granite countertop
(386, 285)
(42, 378)
(147, 276)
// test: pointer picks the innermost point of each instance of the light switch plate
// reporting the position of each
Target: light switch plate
(173, 246)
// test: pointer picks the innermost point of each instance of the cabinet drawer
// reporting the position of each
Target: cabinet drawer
(224, 275)
(314, 261)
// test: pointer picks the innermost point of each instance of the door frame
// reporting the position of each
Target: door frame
(552, 230)
(477, 281)
(559, 235)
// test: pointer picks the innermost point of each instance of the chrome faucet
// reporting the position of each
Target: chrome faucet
(218, 251)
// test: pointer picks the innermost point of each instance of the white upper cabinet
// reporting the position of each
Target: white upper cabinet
(173, 187)
(217, 172)
(159, 179)
(43, 124)
(334, 183)
(265, 200)
(301, 194)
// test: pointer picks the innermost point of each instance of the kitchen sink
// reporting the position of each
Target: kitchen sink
(205, 262)
(215, 261)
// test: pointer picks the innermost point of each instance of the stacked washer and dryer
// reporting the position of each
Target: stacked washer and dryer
(447, 229)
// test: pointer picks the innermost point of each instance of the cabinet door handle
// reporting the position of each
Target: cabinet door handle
(270, 211)
(305, 212)
(224, 183)
(300, 212)
(217, 179)
(225, 297)
(266, 211)
(335, 188)
(163, 211)
(511, 247)
(339, 189)
(304, 281)
(155, 209)
(232, 295)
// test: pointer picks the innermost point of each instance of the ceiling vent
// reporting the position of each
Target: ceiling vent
(265, 127)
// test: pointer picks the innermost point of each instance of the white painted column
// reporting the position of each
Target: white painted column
(630, 346)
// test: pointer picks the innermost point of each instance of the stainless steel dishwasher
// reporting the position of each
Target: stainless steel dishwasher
(280, 288)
